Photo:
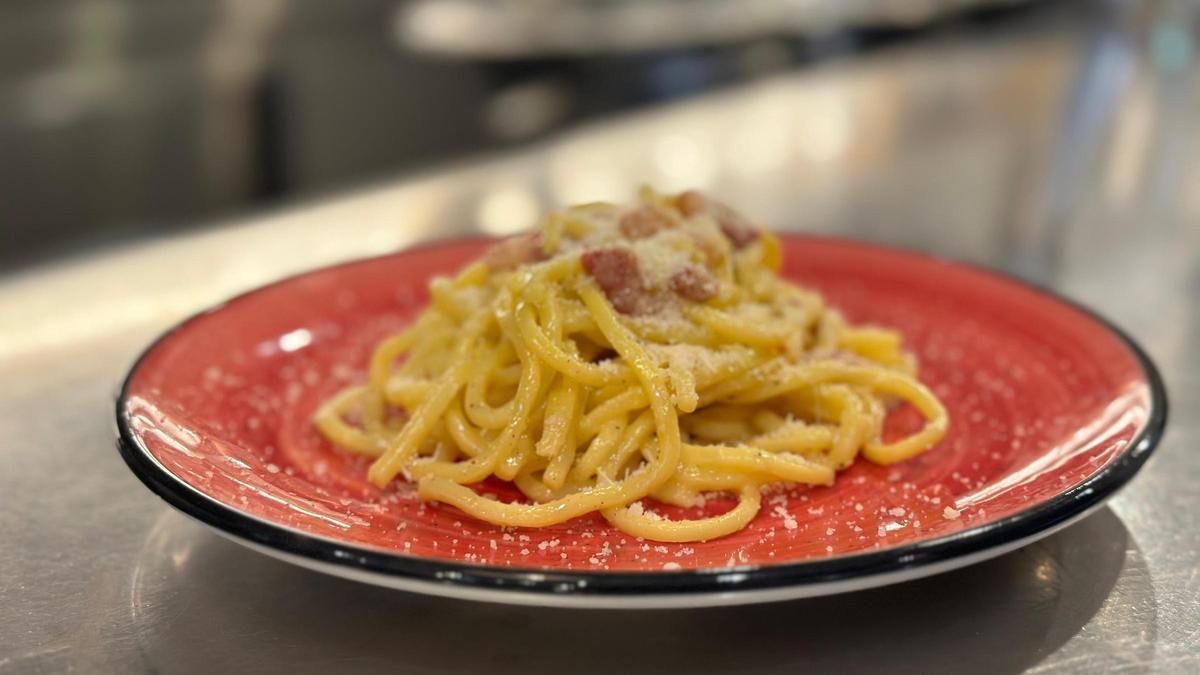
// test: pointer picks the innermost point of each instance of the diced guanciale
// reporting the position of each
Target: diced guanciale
(694, 283)
(643, 222)
(616, 272)
(733, 224)
(512, 253)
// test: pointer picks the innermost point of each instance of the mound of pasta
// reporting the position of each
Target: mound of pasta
(624, 352)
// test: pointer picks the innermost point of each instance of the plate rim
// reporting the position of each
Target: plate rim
(1022, 525)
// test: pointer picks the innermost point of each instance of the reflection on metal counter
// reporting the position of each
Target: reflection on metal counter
(1067, 151)
(1015, 609)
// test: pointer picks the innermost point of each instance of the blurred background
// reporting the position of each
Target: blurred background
(121, 119)
(158, 156)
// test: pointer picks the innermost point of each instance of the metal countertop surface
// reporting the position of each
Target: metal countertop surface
(1067, 155)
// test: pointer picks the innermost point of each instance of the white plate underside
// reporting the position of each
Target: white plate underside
(577, 600)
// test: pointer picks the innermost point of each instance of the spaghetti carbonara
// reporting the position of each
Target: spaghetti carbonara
(622, 353)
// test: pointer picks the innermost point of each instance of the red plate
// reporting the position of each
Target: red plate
(1052, 409)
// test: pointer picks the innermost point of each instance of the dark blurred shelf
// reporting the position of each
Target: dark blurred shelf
(125, 119)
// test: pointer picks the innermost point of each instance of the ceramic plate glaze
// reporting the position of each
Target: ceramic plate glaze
(1051, 408)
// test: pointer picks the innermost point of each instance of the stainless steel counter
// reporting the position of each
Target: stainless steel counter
(1068, 154)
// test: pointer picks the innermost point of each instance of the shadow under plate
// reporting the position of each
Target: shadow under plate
(200, 603)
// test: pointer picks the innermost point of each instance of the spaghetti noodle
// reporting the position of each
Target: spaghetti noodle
(623, 353)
